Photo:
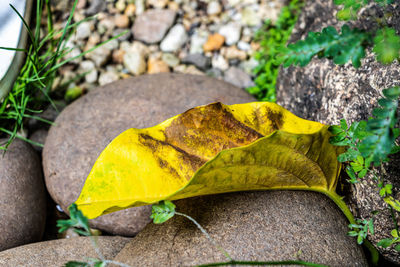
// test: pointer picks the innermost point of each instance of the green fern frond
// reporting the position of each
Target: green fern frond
(349, 45)
(386, 45)
(381, 140)
(385, 2)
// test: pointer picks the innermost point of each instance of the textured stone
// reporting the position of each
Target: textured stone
(170, 59)
(219, 62)
(261, 226)
(231, 32)
(197, 40)
(174, 40)
(86, 126)
(325, 92)
(238, 77)
(199, 60)
(83, 30)
(214, 8)
(38, 136)
(95, 7)
(152, 25)
(134, 61)
(108, 77)
(22, 196)
(89, 68)
(59, 252)
(100, 55)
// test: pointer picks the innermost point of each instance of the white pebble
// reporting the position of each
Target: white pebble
(175, 38)
(231, 32)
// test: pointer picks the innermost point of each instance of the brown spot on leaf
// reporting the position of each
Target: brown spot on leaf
(156, 145)
(276, 119)
(210, 129)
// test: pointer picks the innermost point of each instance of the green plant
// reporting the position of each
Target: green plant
(361, 229)
(272, 38)
(387, 242)
(350, 45)
(369, 143)
(80, 225)
(45, 55)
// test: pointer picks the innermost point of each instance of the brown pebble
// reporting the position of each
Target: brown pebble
(214, 42)
(121, 21)
(118, 56)
(156, 66)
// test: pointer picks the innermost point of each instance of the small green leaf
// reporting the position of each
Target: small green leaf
(162, 212)
(386, 45)
(394, 233)
(397, 247)
(100, 264)
(352, 233)
(392, 93)
(350, 8)
(73, 93)
(355, 226)
(394, 203)
(385, 243)
(77, 221)
(76, 264)
(343, 124)
(349, 155)
(350, 172)
(371, 226)
(362, 173)
(346, 14)
(334, 129)
(360, 239)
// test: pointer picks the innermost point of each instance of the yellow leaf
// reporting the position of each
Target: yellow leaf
(211, 149)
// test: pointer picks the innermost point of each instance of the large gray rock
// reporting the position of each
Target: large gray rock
(59, 252)
(262, 226)
(88, 125)
(325, 92)
(22, 196)
(152, 25)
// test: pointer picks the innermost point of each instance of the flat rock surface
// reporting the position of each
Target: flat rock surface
(278, 225)
(59, 252)
(88, 125)
(325, 92)
(22, 196)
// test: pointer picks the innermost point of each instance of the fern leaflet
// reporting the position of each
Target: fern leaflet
(381, 140)
(349, 45)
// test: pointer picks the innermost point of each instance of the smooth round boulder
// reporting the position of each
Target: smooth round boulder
(59, 252)
(88, 125)
(250, 226)
(22, 196)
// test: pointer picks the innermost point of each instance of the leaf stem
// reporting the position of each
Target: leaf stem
(226, 254)
(346, 211)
